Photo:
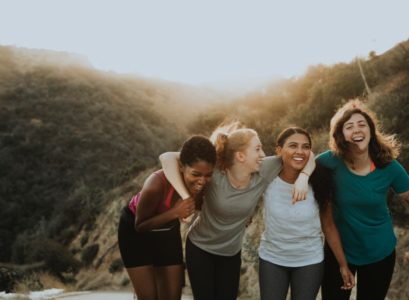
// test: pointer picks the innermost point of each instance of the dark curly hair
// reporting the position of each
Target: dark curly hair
(197, 148)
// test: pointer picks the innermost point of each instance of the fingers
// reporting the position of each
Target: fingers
(348, 279)
(188, 208)
(188, 219)
(298, 195)
(185, 208)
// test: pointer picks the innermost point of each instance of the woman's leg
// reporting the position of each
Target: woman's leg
(306, 281)
(332, 280)
(201, 270)
(143, 281)
(273, 280)
(227, 276)
(169, 281)
(374, 279)
(138, 260)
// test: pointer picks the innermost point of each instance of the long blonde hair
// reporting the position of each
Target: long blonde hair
(228, 139)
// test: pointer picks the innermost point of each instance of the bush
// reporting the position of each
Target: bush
(89, 254)
(116, 266)
(34, 249)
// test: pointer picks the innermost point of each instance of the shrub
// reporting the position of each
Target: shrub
(89, 254)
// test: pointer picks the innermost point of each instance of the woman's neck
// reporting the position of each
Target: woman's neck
(289, 175)
(238, 177)
(360, 163)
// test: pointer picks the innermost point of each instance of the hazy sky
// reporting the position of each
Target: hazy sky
(207, 41)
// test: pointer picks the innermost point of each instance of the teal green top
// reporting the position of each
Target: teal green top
(360, 209)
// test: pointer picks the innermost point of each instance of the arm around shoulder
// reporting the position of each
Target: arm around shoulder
(170, 166)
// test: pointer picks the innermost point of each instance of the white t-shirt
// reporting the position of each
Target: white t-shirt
(292, 235)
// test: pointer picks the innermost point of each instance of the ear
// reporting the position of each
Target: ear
(240, 156)
(181, 167)
(278, 150)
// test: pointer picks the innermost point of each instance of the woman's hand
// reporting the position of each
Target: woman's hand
(300, 188)
(184, 208)
(348, 278)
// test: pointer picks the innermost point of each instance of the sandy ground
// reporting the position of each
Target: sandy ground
(104, 296)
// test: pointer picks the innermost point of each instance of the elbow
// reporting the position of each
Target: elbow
(162, 157)
(139, 227)
(165, 156)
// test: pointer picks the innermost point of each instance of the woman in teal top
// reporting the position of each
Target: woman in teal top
(364, 165)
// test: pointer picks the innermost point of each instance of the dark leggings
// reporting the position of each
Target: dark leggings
(274, 281)
(373, 280)
(212, 277)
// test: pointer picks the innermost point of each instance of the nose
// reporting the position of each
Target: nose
(202, 180)
(355, 129)
(299, 150)
(262, 154)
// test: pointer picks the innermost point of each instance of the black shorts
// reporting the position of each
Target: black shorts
(157, 248)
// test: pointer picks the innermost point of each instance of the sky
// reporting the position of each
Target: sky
(209, 41)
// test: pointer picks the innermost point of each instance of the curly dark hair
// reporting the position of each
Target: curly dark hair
(323, 186)
(197, 148)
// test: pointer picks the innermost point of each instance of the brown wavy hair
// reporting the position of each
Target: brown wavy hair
(382, 148)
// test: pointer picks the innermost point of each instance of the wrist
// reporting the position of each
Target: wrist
(185, 197)
(304, 172)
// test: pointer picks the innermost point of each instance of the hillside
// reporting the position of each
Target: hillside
(77, 142)
(69, 134)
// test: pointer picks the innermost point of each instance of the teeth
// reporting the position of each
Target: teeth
(298, 158)
(358, 139)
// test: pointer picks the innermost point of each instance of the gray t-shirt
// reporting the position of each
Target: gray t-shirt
(219, 229)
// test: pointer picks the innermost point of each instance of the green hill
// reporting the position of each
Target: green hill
(68, 134)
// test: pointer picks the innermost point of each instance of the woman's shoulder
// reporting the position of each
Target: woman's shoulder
(394, 166)
(328, 159)
(156, 181)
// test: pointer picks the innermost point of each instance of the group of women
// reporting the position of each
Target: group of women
(342, 194)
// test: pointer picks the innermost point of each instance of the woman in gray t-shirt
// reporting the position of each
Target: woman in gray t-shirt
(213, 246)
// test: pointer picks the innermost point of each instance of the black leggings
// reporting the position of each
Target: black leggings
(373, 280)
(212, 277)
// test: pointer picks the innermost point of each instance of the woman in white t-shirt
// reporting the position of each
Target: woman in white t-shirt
(291, 247)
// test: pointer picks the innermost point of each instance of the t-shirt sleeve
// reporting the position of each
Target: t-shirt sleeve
(400, 183)
(270, 167)
(327, 159)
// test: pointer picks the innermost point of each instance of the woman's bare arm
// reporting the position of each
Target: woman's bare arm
(300, 189)
(146, 217)
(334, 241)
(170, 166)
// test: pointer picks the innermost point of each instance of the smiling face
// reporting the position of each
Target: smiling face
(357, 133)
(295, 151)
(197, 176)
(254, 154)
